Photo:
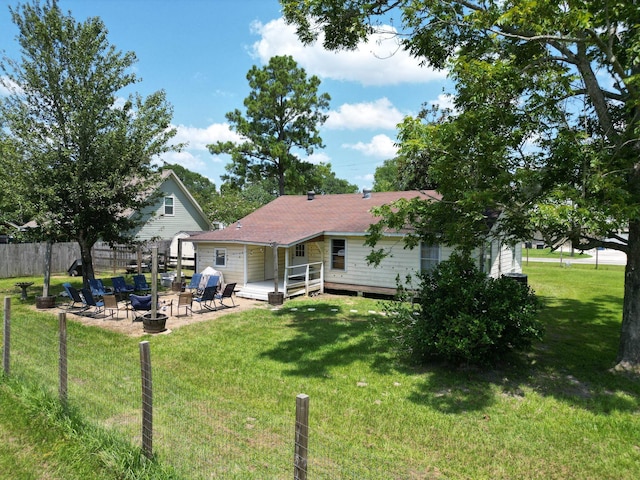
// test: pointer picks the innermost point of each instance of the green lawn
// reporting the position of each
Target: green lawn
(226, 394)
(547, 253)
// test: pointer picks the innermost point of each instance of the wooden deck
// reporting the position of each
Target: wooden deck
(260, 290)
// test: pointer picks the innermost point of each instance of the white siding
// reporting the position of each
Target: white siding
(255, 263)
(232, 271)
(505, 259)
(358, 272)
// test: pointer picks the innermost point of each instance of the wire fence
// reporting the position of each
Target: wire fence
(201, 436)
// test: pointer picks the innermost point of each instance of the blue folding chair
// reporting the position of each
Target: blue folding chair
(97, 288)
(213, 281)
(76, 303)
(140, 283)
(207, 299)
(139, 303)
(120, 287)
(91, 302)
(194, 283)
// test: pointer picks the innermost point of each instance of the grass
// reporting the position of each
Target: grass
(547, 253)
(226, 393)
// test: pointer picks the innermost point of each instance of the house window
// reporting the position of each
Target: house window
(338, 253)
(429, 257)
(300, 250)
(220, 257)
(168, 206)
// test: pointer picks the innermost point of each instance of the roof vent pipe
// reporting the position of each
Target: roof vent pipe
(366, 193)
(311, 195)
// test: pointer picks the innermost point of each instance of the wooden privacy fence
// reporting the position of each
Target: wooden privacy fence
(300, 445)
(27, 259)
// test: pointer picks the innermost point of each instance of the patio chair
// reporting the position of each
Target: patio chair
(111, 304)
(76, 303)
(226, 293)
(194, 283)
(209, 281)
(185, 299)
(120, 287)
(140, 283)
(139, 305)
(207, 299)
(98, 289)
(91, 303)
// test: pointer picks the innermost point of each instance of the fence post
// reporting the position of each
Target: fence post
(6, 335)
(62, 360)
(147, 399)
(300, 460)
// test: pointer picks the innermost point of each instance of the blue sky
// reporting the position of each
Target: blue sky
(200, 51)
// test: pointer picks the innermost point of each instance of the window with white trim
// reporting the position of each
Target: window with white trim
(300, 250)
(338, 253)
(168, 206)
(220, 257)
(429, 257)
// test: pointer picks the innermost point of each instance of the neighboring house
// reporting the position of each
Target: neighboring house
(176, 211)
(319, 243)
(7, 231)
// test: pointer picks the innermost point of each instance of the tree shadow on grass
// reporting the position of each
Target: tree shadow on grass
(572, 364)
(327, 336)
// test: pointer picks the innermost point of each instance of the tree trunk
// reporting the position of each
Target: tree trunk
(629, 348)
(87, 262)
(47, 269)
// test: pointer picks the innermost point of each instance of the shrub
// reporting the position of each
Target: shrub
(460, 315)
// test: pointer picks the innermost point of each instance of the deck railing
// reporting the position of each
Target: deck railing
(308, 277)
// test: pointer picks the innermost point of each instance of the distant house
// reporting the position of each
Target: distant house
(175, 211)
(319, 245)
(7, 231)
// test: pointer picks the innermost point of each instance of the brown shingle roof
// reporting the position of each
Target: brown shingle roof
(290, 219)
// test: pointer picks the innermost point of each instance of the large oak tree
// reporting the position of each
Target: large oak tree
(546, 120)
(84, 147)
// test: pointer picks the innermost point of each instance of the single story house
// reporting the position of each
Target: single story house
(312, 243)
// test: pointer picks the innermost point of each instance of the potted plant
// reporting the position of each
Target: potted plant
(275, 297)
(154, 321)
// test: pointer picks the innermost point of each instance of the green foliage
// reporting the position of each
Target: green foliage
(545, 122)
(83, 158)
(231, 204)
(283, 113)
(324, 181)
(464, 317)
(385, 178)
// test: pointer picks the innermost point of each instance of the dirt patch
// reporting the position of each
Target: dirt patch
(124, 324)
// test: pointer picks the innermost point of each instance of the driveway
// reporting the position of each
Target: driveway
(601, 257)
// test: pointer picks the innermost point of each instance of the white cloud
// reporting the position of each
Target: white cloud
(185, 159)
(199, 138)
(379, 61)
(380, 114)
(380, 146)
(444, 101)
(9, 87)
(317, 158)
